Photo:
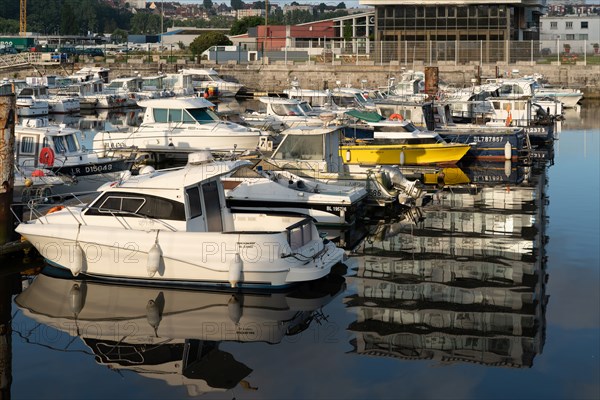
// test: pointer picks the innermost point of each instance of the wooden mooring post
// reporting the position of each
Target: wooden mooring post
(7, 158)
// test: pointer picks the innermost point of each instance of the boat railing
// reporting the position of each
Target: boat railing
(39, 209)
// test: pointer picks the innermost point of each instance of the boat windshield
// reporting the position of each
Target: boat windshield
(65, 144)
(344, 100)
(291, 109)
(300, 147)
(305, 107)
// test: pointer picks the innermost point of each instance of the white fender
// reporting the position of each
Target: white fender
(508, 151)
(77, 260)
(235, 270)
(154, 256)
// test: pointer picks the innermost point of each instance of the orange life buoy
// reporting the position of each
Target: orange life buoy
(47, 156)
(54, 209)
(396, 117)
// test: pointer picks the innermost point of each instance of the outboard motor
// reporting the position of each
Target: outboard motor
(409, 189)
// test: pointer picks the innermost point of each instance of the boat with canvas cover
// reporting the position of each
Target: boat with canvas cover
(172, 227)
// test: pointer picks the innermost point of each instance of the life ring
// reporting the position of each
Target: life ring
(396, 117)
(54, 209)
(47, 156)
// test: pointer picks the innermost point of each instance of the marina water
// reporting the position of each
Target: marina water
(492, 293)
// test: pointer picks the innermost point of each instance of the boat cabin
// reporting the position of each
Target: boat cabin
(405, 134)
(185, 111)
(317, 147)
(191, 198)
(36, 134)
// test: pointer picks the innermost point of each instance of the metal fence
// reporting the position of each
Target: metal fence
(339, 52)
(428, 52)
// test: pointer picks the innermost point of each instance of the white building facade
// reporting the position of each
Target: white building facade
(579, 32)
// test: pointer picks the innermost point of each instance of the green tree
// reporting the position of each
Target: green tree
(9, 26)
(241, 25)
(207, 4)
(341, 5)
(119, 35)
(237, 4)
(348, 31)
(206, 40)
(145, 23)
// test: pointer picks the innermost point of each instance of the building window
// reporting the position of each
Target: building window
(569, 25)
(570, 36)
(584, 25)
(583, 36)
(554, 25)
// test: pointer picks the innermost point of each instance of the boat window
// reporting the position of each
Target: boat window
(344, 101)
(26, 92)
(299, 234)
(306, 107)
(279, 109)
(300, 147)
(160, 114)
(194, 202)
(27, 145)
(72, 144)
(202, 115)
(121, 204)
(137, 206)
(213, 206)
(43, 91)
(59, 144)
(175, 115)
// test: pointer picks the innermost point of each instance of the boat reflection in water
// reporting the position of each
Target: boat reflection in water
(465, 284)
(174, 335)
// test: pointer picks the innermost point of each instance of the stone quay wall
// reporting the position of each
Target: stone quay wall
(275, 77)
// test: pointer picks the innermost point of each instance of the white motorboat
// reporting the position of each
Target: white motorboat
(57, 148)
(205, 78)
(165, 334)
(32, 101)
(315, 152)
(172, 227)
(264, 190)
(282, 113)
(63, 104)
(181, 125)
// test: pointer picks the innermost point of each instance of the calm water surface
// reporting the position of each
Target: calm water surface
(494, 293)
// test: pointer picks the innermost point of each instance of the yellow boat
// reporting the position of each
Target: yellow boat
(401, 143)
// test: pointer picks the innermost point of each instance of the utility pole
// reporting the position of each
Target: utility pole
(23, 18)
(266, 21)
(162, 16)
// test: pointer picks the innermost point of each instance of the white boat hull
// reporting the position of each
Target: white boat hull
(178, 140)
(187, 257)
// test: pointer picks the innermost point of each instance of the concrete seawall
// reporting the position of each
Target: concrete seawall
(277, 76)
